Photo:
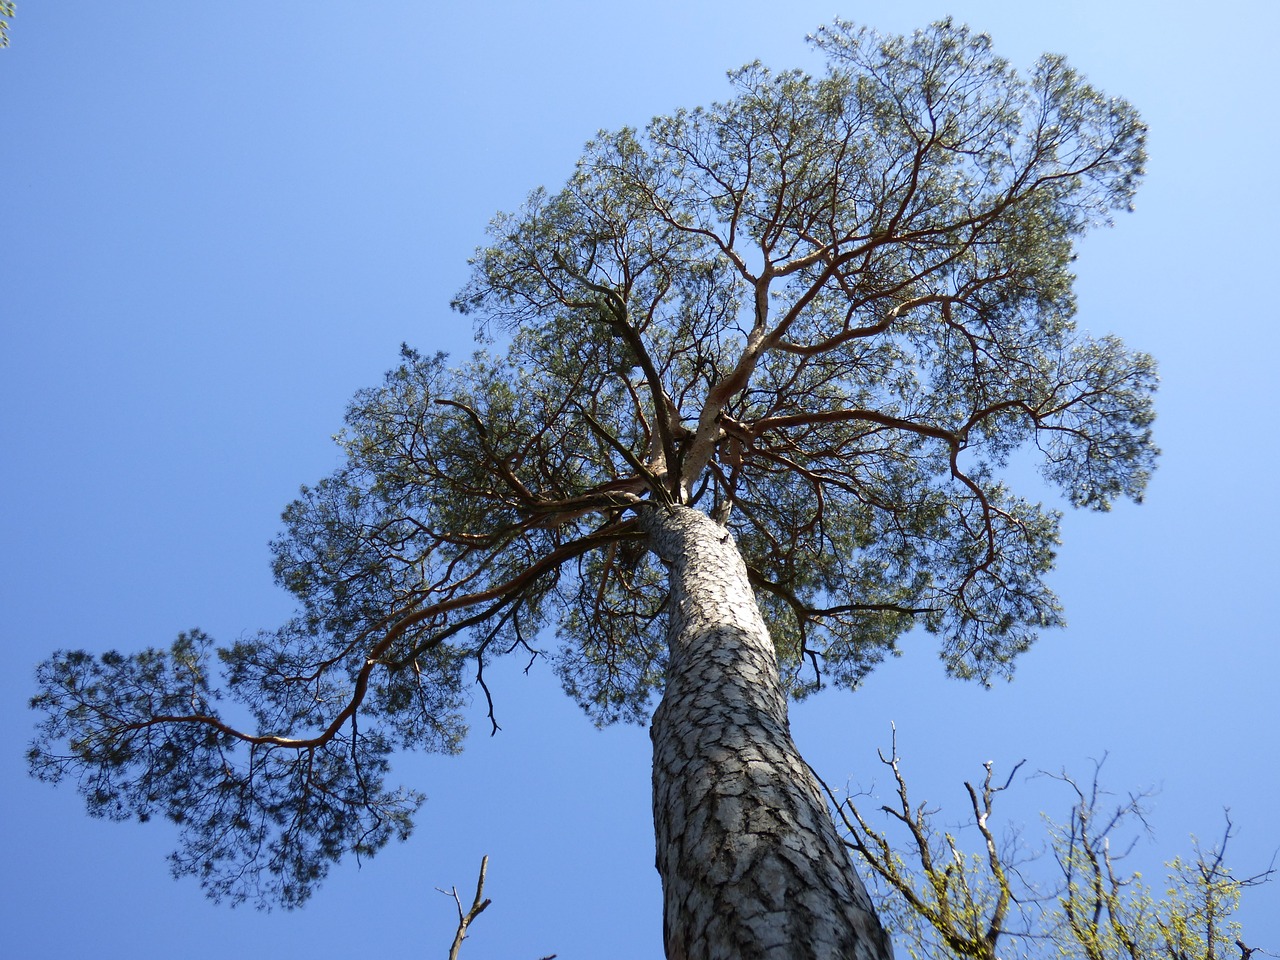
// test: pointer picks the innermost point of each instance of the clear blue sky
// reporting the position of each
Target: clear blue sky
(220, 220)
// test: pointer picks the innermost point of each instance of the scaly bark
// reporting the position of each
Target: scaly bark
(752, 866)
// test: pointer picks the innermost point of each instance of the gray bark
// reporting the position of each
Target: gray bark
(751, 863)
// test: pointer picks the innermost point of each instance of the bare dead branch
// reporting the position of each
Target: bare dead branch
(478, 905)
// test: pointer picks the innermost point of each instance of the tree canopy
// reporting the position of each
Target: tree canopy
(827, 312)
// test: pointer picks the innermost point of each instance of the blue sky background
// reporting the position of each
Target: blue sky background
(218, 221)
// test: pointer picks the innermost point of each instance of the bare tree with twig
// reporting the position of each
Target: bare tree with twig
(943, 902)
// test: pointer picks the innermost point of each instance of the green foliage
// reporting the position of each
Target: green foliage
(942, 901)
(843, 302)
(260, 818)
(1101, 912)
(827, 311)
(7, 9)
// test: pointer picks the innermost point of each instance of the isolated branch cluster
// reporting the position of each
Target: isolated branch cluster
(944, 901)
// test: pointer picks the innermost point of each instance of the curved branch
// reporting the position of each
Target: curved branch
(857, 333)
(953, 438)
(504, 471)
(502, 592)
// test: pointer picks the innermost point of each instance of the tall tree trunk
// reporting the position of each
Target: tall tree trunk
(751, 863)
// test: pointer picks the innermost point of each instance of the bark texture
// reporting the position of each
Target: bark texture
(751, 863)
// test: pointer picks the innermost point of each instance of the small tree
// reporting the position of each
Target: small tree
(761, 364)
(942, 901)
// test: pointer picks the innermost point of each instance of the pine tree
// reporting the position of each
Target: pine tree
(750, 380)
